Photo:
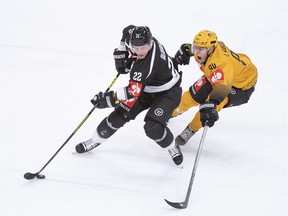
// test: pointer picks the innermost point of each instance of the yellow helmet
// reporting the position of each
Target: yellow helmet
(205, 38)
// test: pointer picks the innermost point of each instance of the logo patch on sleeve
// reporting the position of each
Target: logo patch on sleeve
(216, 76)
(128, 104)
(135, 88)
(199, 83)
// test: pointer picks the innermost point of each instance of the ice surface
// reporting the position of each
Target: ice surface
(55, 55)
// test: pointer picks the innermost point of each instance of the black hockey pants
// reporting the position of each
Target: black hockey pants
(160, 107)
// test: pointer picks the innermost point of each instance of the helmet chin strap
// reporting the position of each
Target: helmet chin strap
(151, 44)
(211, 50)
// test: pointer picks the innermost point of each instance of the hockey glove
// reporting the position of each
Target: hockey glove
(104, 100)
(122, 61)
(183, 55)
(208, 113)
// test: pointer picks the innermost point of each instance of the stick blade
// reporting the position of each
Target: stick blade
(29, 176)
(178, 205)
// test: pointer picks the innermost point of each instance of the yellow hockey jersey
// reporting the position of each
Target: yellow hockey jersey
(225, 68)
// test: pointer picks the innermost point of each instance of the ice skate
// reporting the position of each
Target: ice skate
(184, 137)
(86, 146)
(176, 154)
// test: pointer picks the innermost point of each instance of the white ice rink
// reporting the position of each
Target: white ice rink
(55, 55)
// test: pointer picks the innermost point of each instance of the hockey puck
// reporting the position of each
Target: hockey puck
(30, 176)
(40, 176)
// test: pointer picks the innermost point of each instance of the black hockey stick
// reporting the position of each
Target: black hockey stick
(30, 176)
(184, 204)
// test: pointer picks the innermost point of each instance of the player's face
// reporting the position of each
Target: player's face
(201, 53)
(141, 51)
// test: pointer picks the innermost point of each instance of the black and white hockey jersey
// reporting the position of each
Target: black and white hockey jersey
(155, 73)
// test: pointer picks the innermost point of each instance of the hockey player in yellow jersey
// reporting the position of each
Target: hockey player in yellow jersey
(229, 80)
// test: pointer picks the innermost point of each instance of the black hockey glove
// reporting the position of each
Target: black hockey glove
(104, 100)
(183, 55)
(208, 113)
(122, 61)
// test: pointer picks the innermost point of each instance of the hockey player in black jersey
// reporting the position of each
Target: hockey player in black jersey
(154, 86)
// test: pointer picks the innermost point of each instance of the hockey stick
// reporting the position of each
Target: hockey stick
(184, 204)
(30, 176)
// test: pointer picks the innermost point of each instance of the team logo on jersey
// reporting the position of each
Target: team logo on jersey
(128, 104)
(158, 112)
(199, 83)
(233, 91)
(135, 88)
(216, 76)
